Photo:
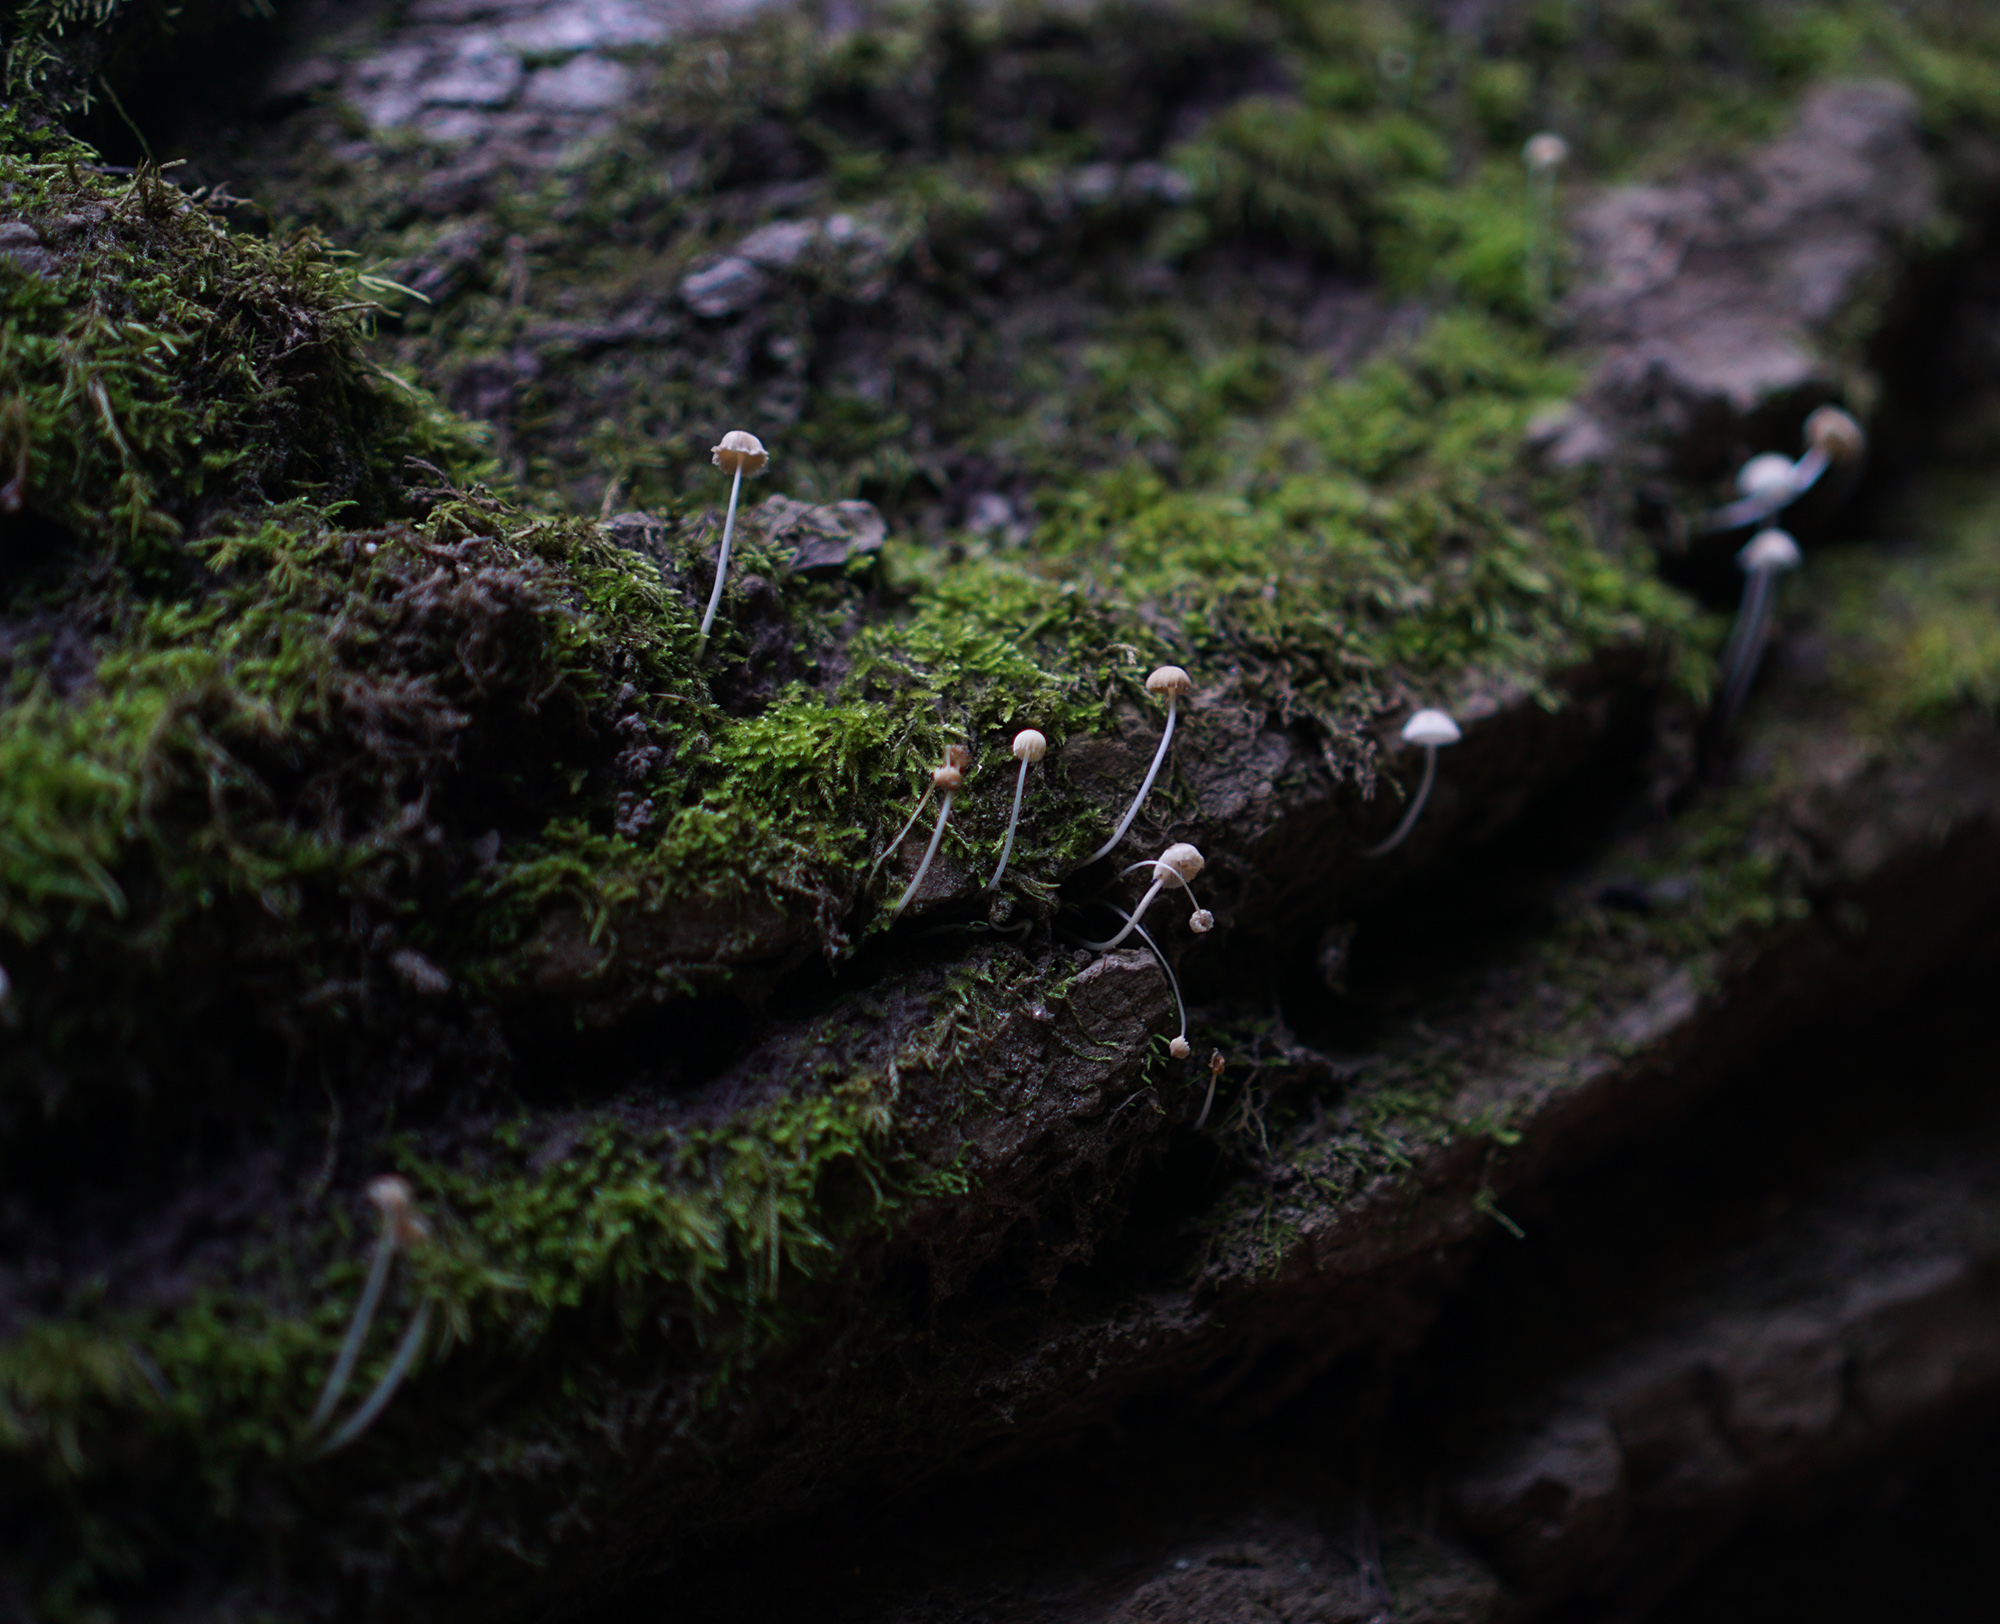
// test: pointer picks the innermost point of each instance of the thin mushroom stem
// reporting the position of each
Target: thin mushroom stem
(1013, 823)
(1131, 919)
(357, 1329)
(1416, 807)
(923, 868)
(1145, 788)
(385, 1389)
(902, 835)
(1214, 1076)
(1179, 1045)
(1744, 651)
(721, 564)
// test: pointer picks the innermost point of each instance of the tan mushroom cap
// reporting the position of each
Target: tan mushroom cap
(1836, 433)
(740, 453)
(947, 778)
(1029, 745)
(1170, 680)
(1178, 864)
(958, 755)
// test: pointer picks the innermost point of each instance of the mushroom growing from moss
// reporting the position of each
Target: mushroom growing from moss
(1175, 684)
(948, 780)
(1029, 748)
(1432, 729)
(401, 1227)
(1767, 555)
(1543, 155)
(1176, 866)
(737, 455)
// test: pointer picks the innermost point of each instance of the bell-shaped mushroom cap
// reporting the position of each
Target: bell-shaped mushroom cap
(1201, 921)
(958, 755)
(1545, 151)
(1170, 680)
(740, 453)
(1769, 550)
(948, 779)
(1180, 1048)
(390, 1195)
(1029, 745)
(1767, 477)
(1834, 432)
(1178, 864)
(1430, 728)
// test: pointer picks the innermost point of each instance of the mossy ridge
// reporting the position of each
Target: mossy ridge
(160, 370)
(604, 1247)
(1749, 865)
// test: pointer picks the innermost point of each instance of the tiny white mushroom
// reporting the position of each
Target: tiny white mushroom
(1432, 729)
(1766, 556)
(948, 780)
(1176, 866)
(1175, 684)
(1543, 154)
(737, 455)
(1029, 748)
(1770, 482)
(400, 1227)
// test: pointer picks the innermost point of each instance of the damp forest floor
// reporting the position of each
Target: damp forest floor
(369, 802)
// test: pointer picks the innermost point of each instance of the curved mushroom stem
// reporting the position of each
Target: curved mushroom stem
(1131, 919)
(1132, 924)
(357, 1329)
(902, 835)
(721, 564)
(1416, 807)
(923, 868)
(1145, 789)
(385, 1389)
(1744, 651)
(1007, 848)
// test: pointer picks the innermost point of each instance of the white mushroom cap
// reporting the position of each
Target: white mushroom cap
(1769, 550)
(1201, 921)
(1029, 745)
(1171, 680)
(1178, 864)
(1836, 433)
(947, 778)
(1179, 1048)
(1766, 476)
(1545, 151)
(740, 453)
(1430, 728)
(390, 1195)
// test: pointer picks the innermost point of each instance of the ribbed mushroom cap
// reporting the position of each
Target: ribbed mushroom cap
(1171, 680)
(958, 755)
(1201, 921)
(1430, 728)
(1769, 550)
(1178, 864)
(1029, 745)
(947, 778)
(1545, 151)
(1179, 1048)
(740, 453)
(1831, 430)
(1766, 476)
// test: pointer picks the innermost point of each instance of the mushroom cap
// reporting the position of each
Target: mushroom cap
(1029, 745)
(958, 755)
(1766, 476)
(390, 1195)
(1170, 680)
(1179, 1048)
(1545, 151)
(1201, 921)
(1769, 550)
(740, 453)
(947, 778)
(1430, 728)
(1178, 864)
(1836, 433)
